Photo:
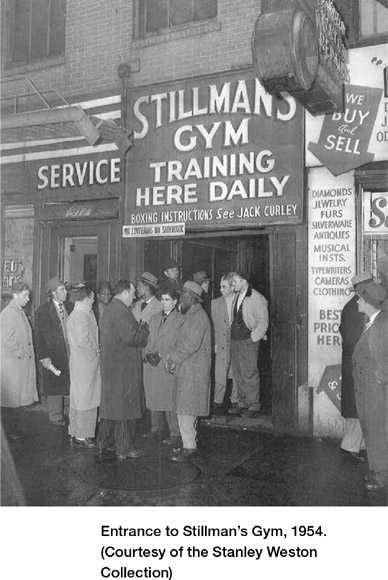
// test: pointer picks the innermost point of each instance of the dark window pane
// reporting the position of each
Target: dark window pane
(57, 27)
(20, 40)
(181, 12)
(205, 9)
(156, 16)
(39, 36)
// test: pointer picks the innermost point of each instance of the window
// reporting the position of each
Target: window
(373, 19)
(157, 16)
(37, 30)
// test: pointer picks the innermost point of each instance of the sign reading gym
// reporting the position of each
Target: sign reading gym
(215, 152)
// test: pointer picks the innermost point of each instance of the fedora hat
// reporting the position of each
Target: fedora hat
(373, 293)
(53, 284)
(200, 277)
(362, 277)
(170, 263)
(149, 278)
(193, 288)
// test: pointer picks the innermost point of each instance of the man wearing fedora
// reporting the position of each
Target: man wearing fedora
(52, 349)
(370, 372)
(203, 280)
(249, 327)
(171, 275)
(190, 362)
(351, 327)
(148, 304)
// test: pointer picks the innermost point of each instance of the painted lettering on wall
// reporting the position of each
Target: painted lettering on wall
(220, 151)
(79, 173)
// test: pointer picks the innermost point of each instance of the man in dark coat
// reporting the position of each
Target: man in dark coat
(370, 371)
(122, 395)
(190, 362)
(351, 328)
(52, 349)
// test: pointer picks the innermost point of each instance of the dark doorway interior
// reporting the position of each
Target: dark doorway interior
(218, 255)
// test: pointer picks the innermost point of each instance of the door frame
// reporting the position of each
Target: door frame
(50, 247)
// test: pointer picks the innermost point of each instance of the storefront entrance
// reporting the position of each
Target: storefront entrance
(278, 273)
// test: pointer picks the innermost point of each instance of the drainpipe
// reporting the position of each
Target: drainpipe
(125, 261)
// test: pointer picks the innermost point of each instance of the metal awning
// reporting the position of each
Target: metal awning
(58, 122)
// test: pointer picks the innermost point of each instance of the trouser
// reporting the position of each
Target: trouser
(372, 412)
(122, 434)
(82, 424)
(157, 422)
(353, 439)
(13, 419)
(57, 407)
(244, 355)
(188, 429)
(219, 392)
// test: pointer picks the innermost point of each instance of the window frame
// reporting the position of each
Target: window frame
(8, 31)
(140, 24)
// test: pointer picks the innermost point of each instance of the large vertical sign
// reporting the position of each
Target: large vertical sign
(214, 153)
(332, 255)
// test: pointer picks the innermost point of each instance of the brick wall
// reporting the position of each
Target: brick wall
(99, 36)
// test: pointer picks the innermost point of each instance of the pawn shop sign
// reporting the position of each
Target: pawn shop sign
(344, 139)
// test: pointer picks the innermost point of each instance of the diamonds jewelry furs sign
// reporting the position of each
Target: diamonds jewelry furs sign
(215, 152)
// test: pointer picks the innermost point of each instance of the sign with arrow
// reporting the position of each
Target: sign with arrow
(330, 384)
(344, 139)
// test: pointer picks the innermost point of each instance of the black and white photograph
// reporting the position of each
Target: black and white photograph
(193, 320)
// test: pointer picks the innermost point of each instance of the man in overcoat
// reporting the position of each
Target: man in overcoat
(18, 380)
(351, 328)
(190, 362)
(122, 395)
(221, 316)
(249, 327)
(370, 371)
(52, 349)
(148, 304)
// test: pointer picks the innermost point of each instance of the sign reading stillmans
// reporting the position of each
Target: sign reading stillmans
(215, 153)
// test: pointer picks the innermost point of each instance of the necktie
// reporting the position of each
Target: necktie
(143, 305)
(164, 318)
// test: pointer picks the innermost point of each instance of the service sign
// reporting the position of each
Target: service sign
(215, 153)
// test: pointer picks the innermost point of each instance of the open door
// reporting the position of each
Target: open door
(79, 252)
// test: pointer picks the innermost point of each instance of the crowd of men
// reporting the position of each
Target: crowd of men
(155, 346)
(104, 358)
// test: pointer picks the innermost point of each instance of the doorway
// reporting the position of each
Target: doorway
(217, 256)
(79, 252)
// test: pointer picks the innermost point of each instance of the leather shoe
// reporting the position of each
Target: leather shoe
(355, 456)
(373, 486)
(130, 455)
(235, 409)
(175, 441)
(86, 443)
(184, 455)
(60, 423)
(151, 434)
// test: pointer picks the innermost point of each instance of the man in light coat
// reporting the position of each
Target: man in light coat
(190, 362)
(221, 315)
(249, 327)
(18, 380)
(84, 363)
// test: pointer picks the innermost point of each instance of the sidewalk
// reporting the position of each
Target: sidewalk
(240, 465)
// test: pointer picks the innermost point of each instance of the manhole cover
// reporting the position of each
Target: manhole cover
(142, 474)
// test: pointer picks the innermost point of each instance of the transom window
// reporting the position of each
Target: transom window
(37, 30)
(161, 15)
